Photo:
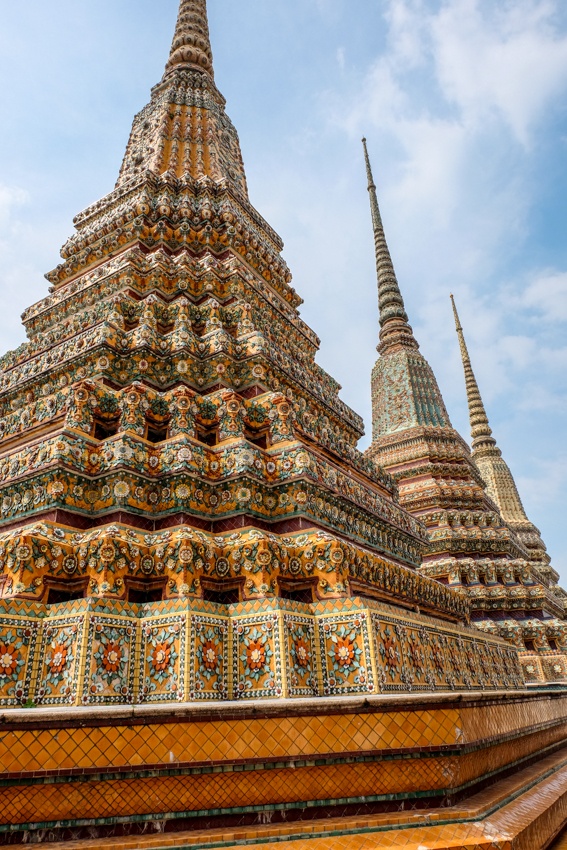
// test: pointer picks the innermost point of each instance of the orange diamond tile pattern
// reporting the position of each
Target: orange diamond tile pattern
(526, 811)
(159, 795)
(245, 760)
(267, 738)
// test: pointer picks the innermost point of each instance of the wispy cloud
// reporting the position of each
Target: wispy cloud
(546, 296)
(503, 60)
(11, 197)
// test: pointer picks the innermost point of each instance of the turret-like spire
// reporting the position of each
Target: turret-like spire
(404, 389)
(394, 327)
(184, 132)
(481, 431)
(191, 46)
(486, 454)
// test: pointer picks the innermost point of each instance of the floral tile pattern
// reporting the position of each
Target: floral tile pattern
(60, 661)
(163, 659)
(18, 639)
(261, 648)
(110, 649)
(257, 657)
(345, 654)
(301, 655)
(210, 638)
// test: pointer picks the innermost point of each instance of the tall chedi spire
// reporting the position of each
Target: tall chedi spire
(184, 132)
(405, 393)
(495, 471)
(479, 537)
(394, 327)
(408, 413)
(482, 439)
(191, 46)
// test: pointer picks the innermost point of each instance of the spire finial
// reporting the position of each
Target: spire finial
(480, 428)
(191, 46)
(395, 330)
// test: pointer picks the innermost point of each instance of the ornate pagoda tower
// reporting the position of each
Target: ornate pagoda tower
(212, 614)
(480, 541)
(544, 637)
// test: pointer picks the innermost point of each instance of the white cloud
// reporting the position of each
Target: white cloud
(505, 58)
(547, 296)
(407, 21)
(21, 244)
(544, 486)
(11, 197)
(458, 92)
(495, 67)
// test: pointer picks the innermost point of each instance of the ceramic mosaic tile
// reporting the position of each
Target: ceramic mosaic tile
(163, 659)
(257, 657)
(111, 661)
(301, 655)
(60, 661)
(209, 658)
(18, 639)
(345, 654)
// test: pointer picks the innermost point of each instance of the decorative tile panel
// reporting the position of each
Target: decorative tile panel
(209, 658)
(263, 648)
(111, 663)
(257, 658)
(60, 661)
(301, 655)
(163, 656)
(345, 654)
(18, 639)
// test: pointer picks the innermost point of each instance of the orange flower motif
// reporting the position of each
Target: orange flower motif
(416, 655)
(438, 659)
(58, 658)
(112, 657)
(390, 653)
(302, 652)
(161, 655)
(255, 655)
(344, 652)
(8, 659)
(210, 655)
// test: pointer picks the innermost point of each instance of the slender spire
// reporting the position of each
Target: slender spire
(184, 132)
(405, 393)
(394, 327)
(481, 431)
(493, 468)
(191, 46)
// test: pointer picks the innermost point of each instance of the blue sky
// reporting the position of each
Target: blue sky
(464, 106)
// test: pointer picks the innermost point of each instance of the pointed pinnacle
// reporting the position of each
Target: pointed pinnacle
(394, 328)
(191, 46)
(481, 431)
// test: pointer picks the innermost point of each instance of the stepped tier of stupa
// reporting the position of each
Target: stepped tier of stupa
(480, 540)
(216, 613)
